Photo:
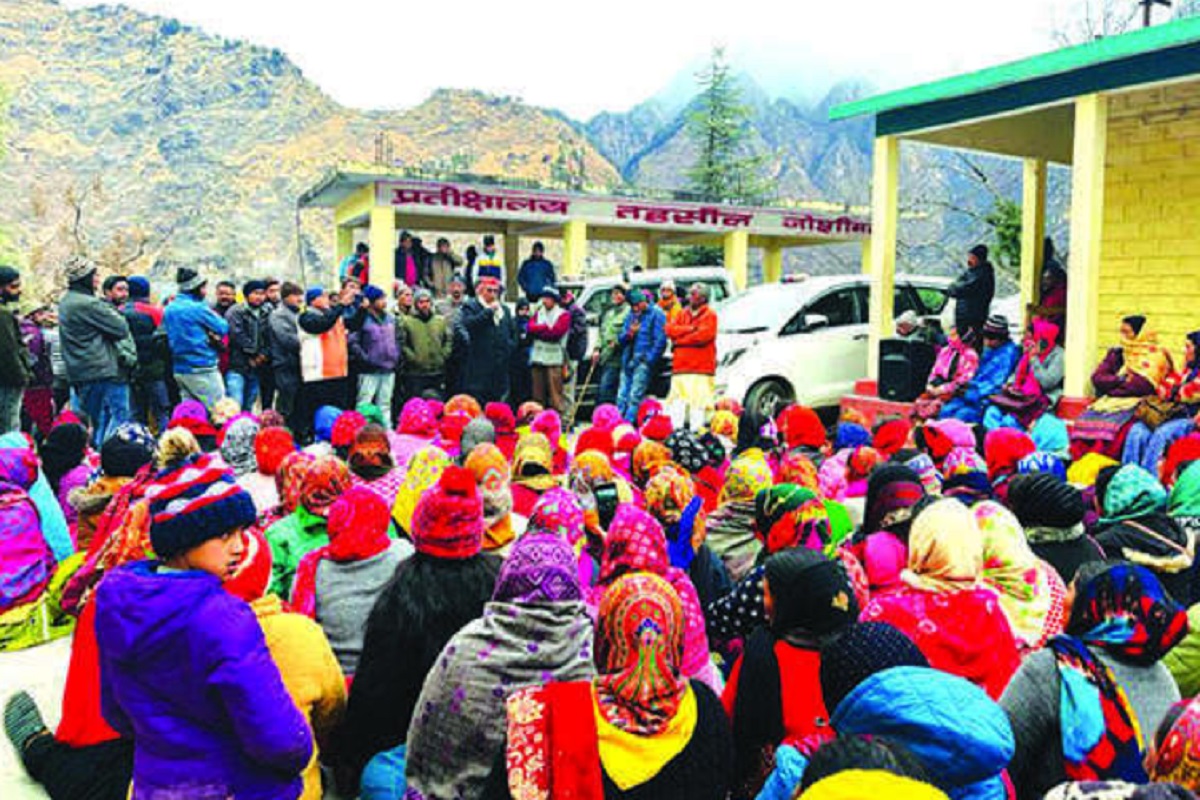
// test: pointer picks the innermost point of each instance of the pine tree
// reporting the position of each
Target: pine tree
(725, 169)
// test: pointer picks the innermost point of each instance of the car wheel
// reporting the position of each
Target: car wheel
(767, 397)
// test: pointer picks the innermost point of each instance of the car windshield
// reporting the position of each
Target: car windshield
(761, 309)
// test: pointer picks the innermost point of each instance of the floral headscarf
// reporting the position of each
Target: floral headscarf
(1031, 594)
(463, 403)
(1133, 492)
(1178, 755)
(667, 495)
(533, 463)
(540, 569)
(648, 457)
(639, 647)
(557, 512)
(724, 424)
(592, 468)
(787, 515)
(747, 475)
(945, 549)
(289, 478)
(326, 481)
(426, 468)
(237, 448)
(490, 469)
(346, 427)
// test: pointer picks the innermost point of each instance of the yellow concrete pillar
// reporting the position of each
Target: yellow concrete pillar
(344, 237)
(574, 248)
(1087, 221)
(650, 253)
(1033, 237)
(772, 263)
(880, 252)
(512, 262)
(382, 241)
(737, 257)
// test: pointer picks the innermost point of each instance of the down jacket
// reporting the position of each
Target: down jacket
(188, 677)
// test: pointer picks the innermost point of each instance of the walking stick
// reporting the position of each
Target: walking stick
(579, 393)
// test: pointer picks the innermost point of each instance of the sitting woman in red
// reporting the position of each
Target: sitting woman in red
(639, 730)
(944, 606)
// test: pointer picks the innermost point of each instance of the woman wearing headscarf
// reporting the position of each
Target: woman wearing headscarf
(640, 729)
(236, 443)
(423, 472)
(337, 584)
(647, 459)
(1136, 368)
(416, 429)
(192, 416)
(1134, 526)
(504, 423)
(1003, 450)
(1078, 706)
(944, 606)
(941, 439)
(1035, 386)
(490, 469)
(549, 424)
(532, 472)
(1148, 440)
(892, 493)
(433, 594)
(128, 448)
(772, 692)
(953, 369)
(1174, 757)
(1051, 512)
(672, 500)
(456, 737)
(271, 446)
(50, 514)
(1031, 593)
(689, 452)
(63, 455)
(305, 529)
(731, 526)
(636, 543)
(801, 430)
(997, 362)
(371, 464)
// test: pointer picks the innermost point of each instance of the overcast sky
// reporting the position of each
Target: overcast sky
(609, 55)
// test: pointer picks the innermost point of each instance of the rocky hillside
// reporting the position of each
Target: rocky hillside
(152, 143)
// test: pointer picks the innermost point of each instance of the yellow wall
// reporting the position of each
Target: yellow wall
(1150, 255)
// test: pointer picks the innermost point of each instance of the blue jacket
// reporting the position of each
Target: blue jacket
(188, 677)
(534, 275)
(651, 340)
(996, 366)
(189, 321)
(961, 737)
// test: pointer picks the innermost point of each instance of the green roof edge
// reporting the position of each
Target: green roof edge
(1111, 48)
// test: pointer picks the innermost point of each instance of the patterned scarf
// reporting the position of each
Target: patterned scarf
(540, 569)
(1125, 612)
(648, 458)
(237, 444)
(326, 480)
(558, 513)
(1145, 357)
(1178, 754)
(945, 549)
(1133, 492)
(490, 469)
(639, 645)
(289, 479)
(533, 463)
(463, 403)
(370, 455)
(747, 476)
(797, 468)
(791, 516)
(426, 467)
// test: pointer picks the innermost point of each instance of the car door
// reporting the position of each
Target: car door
(829, 359)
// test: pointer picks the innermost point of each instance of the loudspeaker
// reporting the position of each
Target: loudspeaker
(904, 367)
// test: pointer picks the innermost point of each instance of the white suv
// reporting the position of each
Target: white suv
(805, 340)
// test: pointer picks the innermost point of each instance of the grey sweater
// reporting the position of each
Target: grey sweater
(345, 593)
(1032, 704)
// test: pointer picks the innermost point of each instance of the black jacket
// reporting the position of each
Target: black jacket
(974, 291)
(247, 335)
(487, 345)
(421, 259)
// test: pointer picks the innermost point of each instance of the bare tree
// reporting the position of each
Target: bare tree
(1087, 20)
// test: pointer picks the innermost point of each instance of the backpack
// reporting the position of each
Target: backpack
(577, 339)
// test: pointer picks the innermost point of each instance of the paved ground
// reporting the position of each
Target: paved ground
(40, 671)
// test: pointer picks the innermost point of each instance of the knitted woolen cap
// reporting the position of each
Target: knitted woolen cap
(858, 653)
(1043, 500)
(448, 521)
(193, 502)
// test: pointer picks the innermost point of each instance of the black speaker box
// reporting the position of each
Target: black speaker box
(904, 367)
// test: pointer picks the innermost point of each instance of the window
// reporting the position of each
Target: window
(600, 300)
(906, 301)
(933, 298)
(841, 307)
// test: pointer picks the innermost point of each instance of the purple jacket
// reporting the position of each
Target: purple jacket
(374, 346)
(185, 673)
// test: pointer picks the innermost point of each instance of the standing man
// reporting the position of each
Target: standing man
(196, 334)
(536, 273)
(324, 355)
(443, 267)
(149, 381)
(643, 340)
(450, 307)
(486, 326)
(489, 264)
(411, 263)
(15, 366)
(607, 355)
(427, 344)
(115, 290)
(375, 349)
(249, 349)
(693, 335)
(548, 330)
(456, 295)
(668, 301)
(973, 293)
(266, 375)
(274, 293)
(357, 265)
(576, 344)
(97, 349)
(226, 298)
(284, 326)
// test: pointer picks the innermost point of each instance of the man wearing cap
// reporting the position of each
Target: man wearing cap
(426, 342)
(997, 363)
(443, 267)
(284, 325)
(548, 329)
(249, 350)
(693, 335)
(973, 292)
(536, 273)
(149, 380)
(607, 355)
(97, 348)
(375, 351)
(324, 353)
(485, 326)
(489, 264)
(15, 366)
(643, 339)
(196, 334)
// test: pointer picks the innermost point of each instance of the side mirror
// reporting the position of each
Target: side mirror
(814, 321)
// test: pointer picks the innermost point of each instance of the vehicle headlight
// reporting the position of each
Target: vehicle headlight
(733, 355)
